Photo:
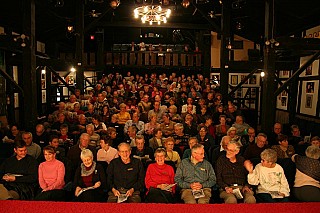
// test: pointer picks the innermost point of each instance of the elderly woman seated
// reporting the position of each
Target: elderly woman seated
(307, 181)
(90, 179)
(160, 180)
(269, 177)
(172, 156)
(51, 176)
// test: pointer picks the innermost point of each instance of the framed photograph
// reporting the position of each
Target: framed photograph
(284, 73)
(310, 87)
(43, 97)
(253, 93)
(43, 84)
(284, 101)
(242, 77)
(234, 79)
(253, 80)
(309, 70)
(284, 93)
(309, 101)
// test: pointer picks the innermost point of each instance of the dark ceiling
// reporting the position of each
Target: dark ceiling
(53, 16)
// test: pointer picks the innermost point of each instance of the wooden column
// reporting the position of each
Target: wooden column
(268, 98)
(29, 103)
(80, 45)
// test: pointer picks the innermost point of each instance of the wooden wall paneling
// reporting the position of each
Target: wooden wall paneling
(153, 59)
(124, 58)
(183, 59)
(190, 60)
(167, 59)
(146, 59)
(109, 58)
(175, 59)
(92, 59)
(116, 58)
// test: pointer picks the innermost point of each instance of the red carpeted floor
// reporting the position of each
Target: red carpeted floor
(73, 207)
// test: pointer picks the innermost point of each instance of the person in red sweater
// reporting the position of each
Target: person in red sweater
(159, 180)
(51, 177)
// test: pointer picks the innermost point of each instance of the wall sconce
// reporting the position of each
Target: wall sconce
(73, 69)
(21, 38)
(185, 3)
(229, 46)
(114, 4)
(272, 43)
(262, 74)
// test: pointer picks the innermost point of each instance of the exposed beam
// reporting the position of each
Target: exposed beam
(61, 79)
(243, 81)
(11, 81)
(298, 72)
(167, 25)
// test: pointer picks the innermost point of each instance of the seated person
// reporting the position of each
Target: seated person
(123, 115)
(75, 151)
(195, 174)
(94, 137)
(187, 153)
(107, 153)
(141, 151)
(205, 139)
(217, 152)
(33, 149)
(254, 150)
(167, 126)
(158, 179)
(41, 136)
(135, 122)
(284, 150)
(59, 151)
(157, 140)
(64, 138)
(231, 175)
(269, 177)
(18, 174)
(307, 181)
(315, 141)
(99, 127)
(171, 155)
(153, 124)
(90, 176)
(125, 175)
(51, 177)
(240, 125)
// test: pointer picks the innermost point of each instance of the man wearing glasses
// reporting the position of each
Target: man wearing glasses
(195, 176)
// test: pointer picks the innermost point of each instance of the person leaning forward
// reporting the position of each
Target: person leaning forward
(125, 176)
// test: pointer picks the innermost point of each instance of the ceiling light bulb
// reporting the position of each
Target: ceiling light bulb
(150, 22)
(43, 71)
(168, 13)
(164, 20)
(145, 9)
(262, 74)
(73, 69)
(159, 22)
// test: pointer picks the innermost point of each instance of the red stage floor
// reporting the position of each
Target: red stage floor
(73, 207)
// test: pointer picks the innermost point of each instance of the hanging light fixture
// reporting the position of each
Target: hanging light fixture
(152, 14)
(114, 4)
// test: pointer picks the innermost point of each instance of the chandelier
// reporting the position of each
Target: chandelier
(152, 14)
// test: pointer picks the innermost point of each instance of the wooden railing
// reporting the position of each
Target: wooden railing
(143, 58)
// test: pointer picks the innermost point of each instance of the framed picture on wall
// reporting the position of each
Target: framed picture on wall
(284, 73)
(310, 87)
(234, 79)
(309, 101)
(242, 77)
(309, 70)
(253, 80)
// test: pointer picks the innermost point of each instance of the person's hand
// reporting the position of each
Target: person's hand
(115, 192)
(130, 192)
(9, 178)
(282, 194)
(78, 189)
(177, 141)
(196, 186)
(97, 185)
(248, 165)
(229, 190)
(246, 189)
